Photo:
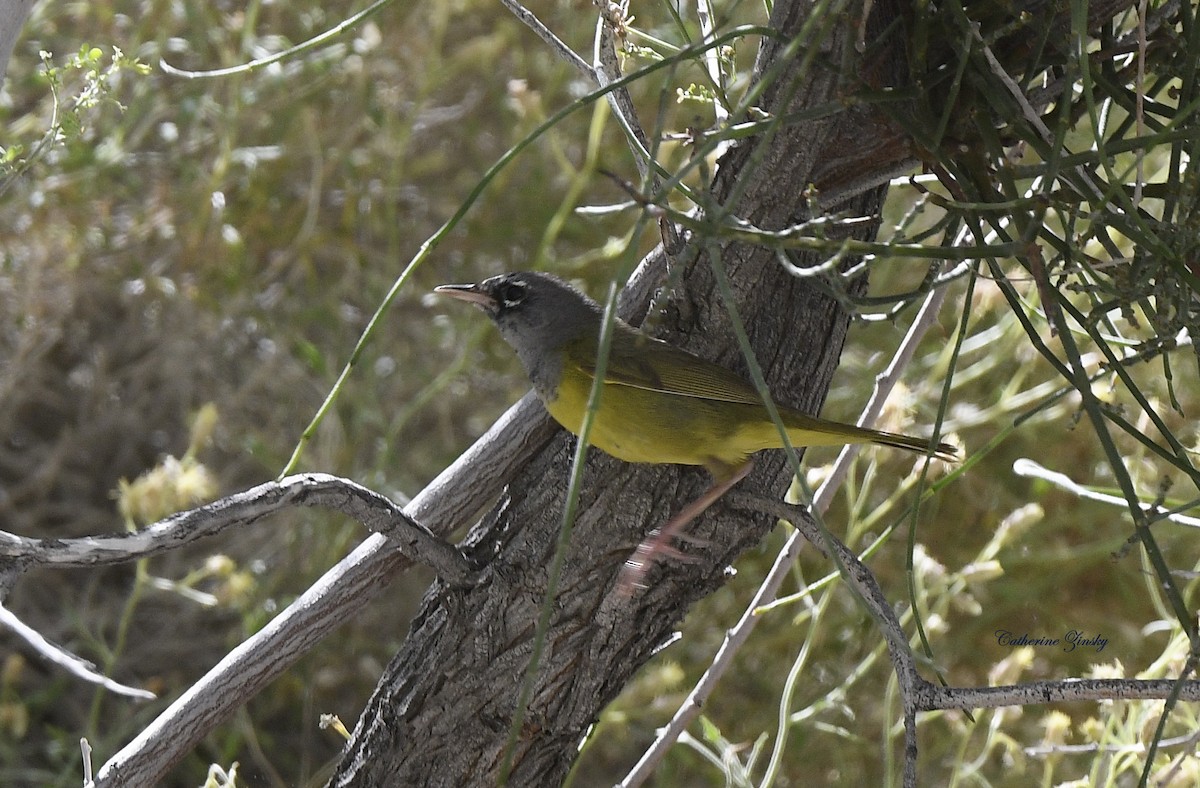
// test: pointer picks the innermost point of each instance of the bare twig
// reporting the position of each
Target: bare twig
(712, 62)
(932, 696)
(863, 582)
(370, 508)
(74, 665)
(1029, 468)
(1136, 748)
(559, 47)
(608, 70)
(85, 748)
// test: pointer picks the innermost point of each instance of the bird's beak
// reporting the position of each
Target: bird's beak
(469, 293)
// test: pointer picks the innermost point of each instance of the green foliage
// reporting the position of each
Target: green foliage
(91, 83)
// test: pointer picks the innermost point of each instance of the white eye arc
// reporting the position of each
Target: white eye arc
(512, 293)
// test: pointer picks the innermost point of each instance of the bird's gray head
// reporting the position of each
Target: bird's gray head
(536, 313)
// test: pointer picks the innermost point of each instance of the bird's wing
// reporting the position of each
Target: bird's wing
(641, 361)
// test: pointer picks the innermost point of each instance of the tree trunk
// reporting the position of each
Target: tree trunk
(442, 710)
(13, 14)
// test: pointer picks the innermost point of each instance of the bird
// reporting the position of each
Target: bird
(658, 403)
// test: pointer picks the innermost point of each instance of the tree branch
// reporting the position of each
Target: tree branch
(76, 666)
(370, 508)
(457, 495)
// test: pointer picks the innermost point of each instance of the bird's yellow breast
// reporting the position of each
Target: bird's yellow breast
(643, 425)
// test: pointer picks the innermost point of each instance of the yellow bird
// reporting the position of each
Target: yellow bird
(658, 404)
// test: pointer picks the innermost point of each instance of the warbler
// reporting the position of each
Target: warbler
(659, 403)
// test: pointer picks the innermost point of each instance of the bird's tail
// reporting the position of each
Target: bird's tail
(805, 430)
(943, 451)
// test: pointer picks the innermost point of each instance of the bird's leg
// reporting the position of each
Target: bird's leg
(658, 543)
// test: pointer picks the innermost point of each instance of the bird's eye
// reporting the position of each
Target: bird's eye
(512, 293)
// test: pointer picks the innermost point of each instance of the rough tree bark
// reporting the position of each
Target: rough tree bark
(441, 712)
(12, 18)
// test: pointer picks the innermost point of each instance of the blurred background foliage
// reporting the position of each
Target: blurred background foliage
(224, 241)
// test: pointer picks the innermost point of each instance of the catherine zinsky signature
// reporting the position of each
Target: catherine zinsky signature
(1068, 642)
